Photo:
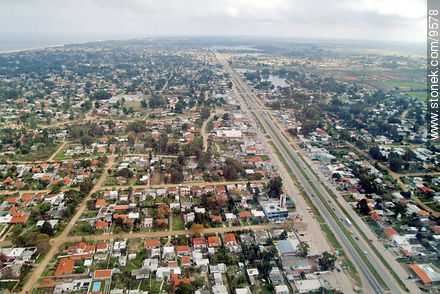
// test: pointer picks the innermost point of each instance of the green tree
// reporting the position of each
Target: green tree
(156, 101)
(363, 207)
(274, 187)
(205, 113)
(185, 288)
(395, 161)
(86, 186)
(327, 261)
(46, 228)
(101, 95)
(303, 249)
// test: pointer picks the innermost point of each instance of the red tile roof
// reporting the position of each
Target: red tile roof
(230, 238)
(150, 243)
(64, 267)
(103, 274)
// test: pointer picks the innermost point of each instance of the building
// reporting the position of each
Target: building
(65, 267)
(307, 286)
(426, 273)
(287, 247)
(273, 210)
(281, 289)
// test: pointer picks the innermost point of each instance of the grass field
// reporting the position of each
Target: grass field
(177, 223)
(402, 85)
(418, 95)
(42, 153)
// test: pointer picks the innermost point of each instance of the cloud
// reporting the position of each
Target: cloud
(360, 19)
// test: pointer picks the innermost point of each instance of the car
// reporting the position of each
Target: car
(365, 251)
(356, 238)
(329, 201)
(371, 240)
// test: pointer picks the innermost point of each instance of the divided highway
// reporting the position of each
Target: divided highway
(319, 197)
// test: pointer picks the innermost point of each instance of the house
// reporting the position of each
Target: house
(281, 289)
(231, 243)
(82, 247)
(426, 273)
(199, 243)
(100, 203)
(65, 267)
(213, 241)
(245, 215)
(185, 261)
(216, 218)
(230, 239)
(183, 251)
(101, 247)
(389, 232)
(101, 225)
(152, 243)
(275, 276)
(102, 274)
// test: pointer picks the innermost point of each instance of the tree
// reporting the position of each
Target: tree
(86, 228)
(395, 161)
(185, 288)
(327, 262)
(205, 113)
(363, 207)
(274, 188)
(137, 126)
(375, 153)
(303, 249)
(86, 186)
(156, 101)
(101, 95)
(400, 207)
(86, 140)
(176, 176)
(163, 211)
(46, 228)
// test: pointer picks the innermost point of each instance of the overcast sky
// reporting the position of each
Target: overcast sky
(399, 20)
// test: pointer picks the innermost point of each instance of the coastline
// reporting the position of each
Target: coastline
(35, 48)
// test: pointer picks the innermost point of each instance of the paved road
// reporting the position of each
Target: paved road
(370, 282)
(389, 256)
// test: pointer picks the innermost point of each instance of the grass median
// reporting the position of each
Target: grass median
(344, 211)
(345, 232)
(324, 227)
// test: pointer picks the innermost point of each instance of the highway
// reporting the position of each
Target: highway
(319, 196)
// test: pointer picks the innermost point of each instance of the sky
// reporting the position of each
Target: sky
(393, 20)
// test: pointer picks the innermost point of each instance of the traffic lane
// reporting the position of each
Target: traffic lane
(369, 281)
(370, 257)
(320, 189)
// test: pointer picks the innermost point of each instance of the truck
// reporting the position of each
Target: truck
(348, 222)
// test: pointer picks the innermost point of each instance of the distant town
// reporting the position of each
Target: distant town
(216, 166)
